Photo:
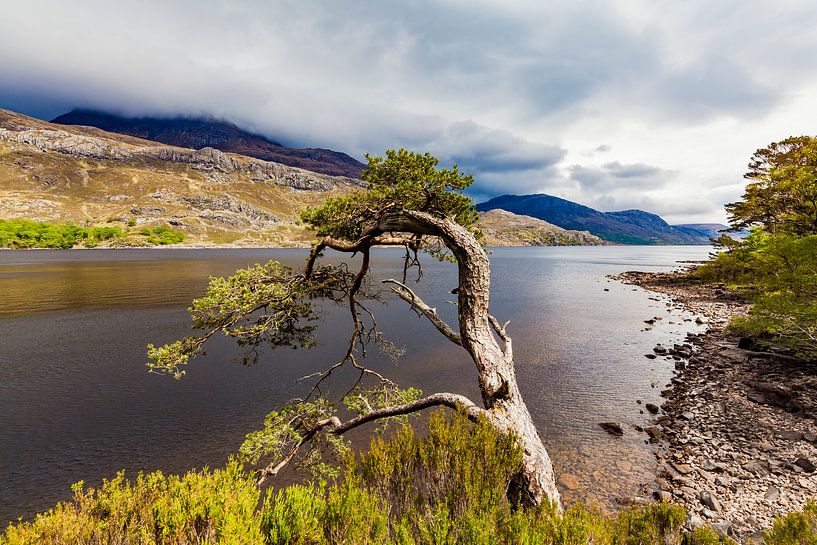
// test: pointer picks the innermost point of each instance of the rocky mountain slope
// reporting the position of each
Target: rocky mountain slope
(91, 177)
(626, 227)
(503, 228)
(199, 133)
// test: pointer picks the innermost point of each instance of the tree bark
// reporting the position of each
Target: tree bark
(495, 366)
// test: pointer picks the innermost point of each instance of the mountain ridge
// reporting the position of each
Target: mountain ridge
(624, 227)
(87, 176)
(199, 132)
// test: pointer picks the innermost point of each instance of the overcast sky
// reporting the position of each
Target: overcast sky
(653, 105)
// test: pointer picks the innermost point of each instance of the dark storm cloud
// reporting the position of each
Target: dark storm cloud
(484, 150)
(614, 175)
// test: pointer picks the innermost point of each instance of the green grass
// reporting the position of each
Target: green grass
(445, 487)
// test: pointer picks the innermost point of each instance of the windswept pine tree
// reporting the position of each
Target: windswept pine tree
(408, 202)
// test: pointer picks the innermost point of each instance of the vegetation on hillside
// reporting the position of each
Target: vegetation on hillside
(25, 234)
(39, 234)
(776, 265)
(445, 487)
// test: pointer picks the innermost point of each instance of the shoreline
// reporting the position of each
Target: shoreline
(737, 434)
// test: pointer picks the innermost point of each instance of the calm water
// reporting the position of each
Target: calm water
(76, 402)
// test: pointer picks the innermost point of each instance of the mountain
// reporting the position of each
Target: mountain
(712, 230)
(90, 177)
(197, 133)
(503, 228)
(625, 227)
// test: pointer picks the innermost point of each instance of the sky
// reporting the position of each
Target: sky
(656, 105)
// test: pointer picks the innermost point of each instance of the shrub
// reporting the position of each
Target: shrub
(198, 507)
(445, 487)
(22, 234)
(162, 236)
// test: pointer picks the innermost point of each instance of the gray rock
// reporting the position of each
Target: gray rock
(772, 494)
(722, 528)
(709, 500)
(806, 464)
(694, 521)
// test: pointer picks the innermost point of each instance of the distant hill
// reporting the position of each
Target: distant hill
(625, 227)
(198, 133)
(712, 230)
(91, 177)
(503, 228)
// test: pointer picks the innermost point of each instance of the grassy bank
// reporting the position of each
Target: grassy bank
(27, 234)
(442, 488)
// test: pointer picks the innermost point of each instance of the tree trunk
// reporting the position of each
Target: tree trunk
(495, 366)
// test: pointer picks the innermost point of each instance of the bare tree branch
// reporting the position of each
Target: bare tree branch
(336, 427)
(506, 339)
(408, 295)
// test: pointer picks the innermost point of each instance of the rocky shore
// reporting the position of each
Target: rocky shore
(737, 435)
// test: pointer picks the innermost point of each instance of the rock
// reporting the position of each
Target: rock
(722, 528)
(654, 433)
(694, 521)
(768, 393)
(569, 481)
(710, 514)
(629, 501)
(683, 469)
(772, 494)
(709, 500)
(662, 495)
(806, 464)
(650, 356)
(789, 435)
(660, 349)
(652, 408)
(613, 428)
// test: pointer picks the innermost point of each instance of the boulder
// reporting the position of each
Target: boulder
(613, 428)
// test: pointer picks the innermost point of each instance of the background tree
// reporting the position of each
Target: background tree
(782, 192)
(411, 203)
(775, 266)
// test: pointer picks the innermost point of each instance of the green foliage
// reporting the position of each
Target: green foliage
(362, 400)
(782, 191)
(260, 304)
(779, 274)
(401, 180)
(199, 507)
(20, 234)
(287, 428)
(776, 265)
(443, 487)
(705, 535)
(797, 528)
(161, 236)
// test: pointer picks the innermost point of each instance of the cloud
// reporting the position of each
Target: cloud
(485, 150)
(519, 92)
(618, 176)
